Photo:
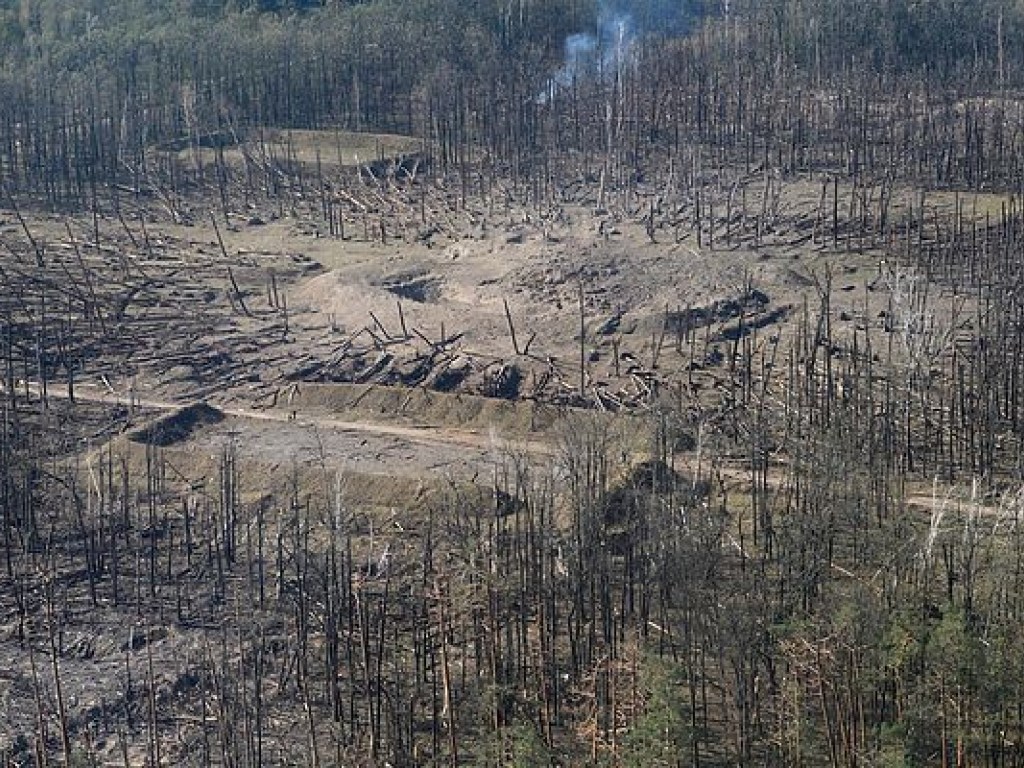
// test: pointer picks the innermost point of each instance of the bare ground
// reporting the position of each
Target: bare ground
(390, 361)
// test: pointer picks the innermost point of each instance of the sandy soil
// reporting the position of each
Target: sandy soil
(267, 336)
(238, 314)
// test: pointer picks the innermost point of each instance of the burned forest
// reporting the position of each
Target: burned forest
(512, 383)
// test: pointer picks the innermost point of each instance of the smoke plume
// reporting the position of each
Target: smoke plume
(610, 47)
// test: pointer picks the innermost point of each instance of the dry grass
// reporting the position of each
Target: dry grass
(425, 407)
(331, 148)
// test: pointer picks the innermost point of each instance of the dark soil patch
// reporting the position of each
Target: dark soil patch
(503, 381)
(178, 426)
(627, 503)
(423, 289)
(724, 310)
(747, 324)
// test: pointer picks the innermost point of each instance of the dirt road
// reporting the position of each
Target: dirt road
(276, 436)
(380, 448)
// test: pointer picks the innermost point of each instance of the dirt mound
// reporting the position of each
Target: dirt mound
(330, 292)
(177, 426)
(420, 405)
(420, 287)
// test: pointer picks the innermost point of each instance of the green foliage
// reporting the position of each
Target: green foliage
(12, 34)
(58, 28)
(892, 747)
(526, 748)
(514, 746)
(661, 735)
(946, 37)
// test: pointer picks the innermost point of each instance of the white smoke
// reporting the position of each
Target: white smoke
(600, 56)
(604, 54)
